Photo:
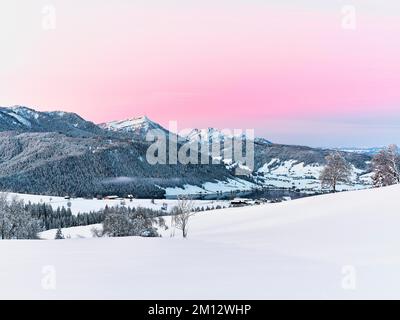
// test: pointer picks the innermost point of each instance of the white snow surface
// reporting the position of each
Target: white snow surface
(72, 232)
(339, 246)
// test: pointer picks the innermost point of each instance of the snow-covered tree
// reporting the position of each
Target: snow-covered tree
(59, 234)
(182, 213)
(123, 222)
(386, 167)
(4, 216)
(337, 169)
(15, 221)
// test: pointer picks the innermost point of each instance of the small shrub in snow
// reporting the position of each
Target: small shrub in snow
(96, 233)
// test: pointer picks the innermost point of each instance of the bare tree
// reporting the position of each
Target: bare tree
(181, 214)
(337, 169)
(386, 167)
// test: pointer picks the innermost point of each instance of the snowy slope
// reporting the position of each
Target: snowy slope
(138, 126)
(294, 173)
(20, 116)
(72, 232)
(333, 246)
(24, 119)
(212, 135)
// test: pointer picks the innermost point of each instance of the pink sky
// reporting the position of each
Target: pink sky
(291, 72)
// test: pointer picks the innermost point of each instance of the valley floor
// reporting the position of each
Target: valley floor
(343, 245)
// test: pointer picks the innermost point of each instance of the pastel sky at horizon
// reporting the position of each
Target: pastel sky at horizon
(288, 69)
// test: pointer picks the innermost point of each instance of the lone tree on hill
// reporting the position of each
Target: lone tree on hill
(181, 214)
(337, 169)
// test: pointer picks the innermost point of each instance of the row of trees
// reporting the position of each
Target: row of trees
(61, 217)
(25, 221)
(20, 221)
(385, 169)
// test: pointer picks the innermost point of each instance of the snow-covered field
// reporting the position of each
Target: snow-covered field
(343, 245)
(72, 232)
(80, 205)
(292, 173)
(230, 185)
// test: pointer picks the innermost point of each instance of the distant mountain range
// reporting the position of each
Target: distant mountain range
(60, 153)
(370, 151)
(209, 135)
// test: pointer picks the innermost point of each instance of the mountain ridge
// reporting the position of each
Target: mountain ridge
(24, 119)
(139, 126)
(57, 152)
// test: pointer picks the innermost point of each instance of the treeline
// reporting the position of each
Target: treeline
(49, 218)
(61, 217)
(25, 221)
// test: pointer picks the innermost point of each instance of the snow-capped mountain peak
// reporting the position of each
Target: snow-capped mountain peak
(205, 135)
(137, 125)
(215, 135)
(19, 116)
(24, 119)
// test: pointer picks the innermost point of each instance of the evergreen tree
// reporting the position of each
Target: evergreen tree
(59, 234)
